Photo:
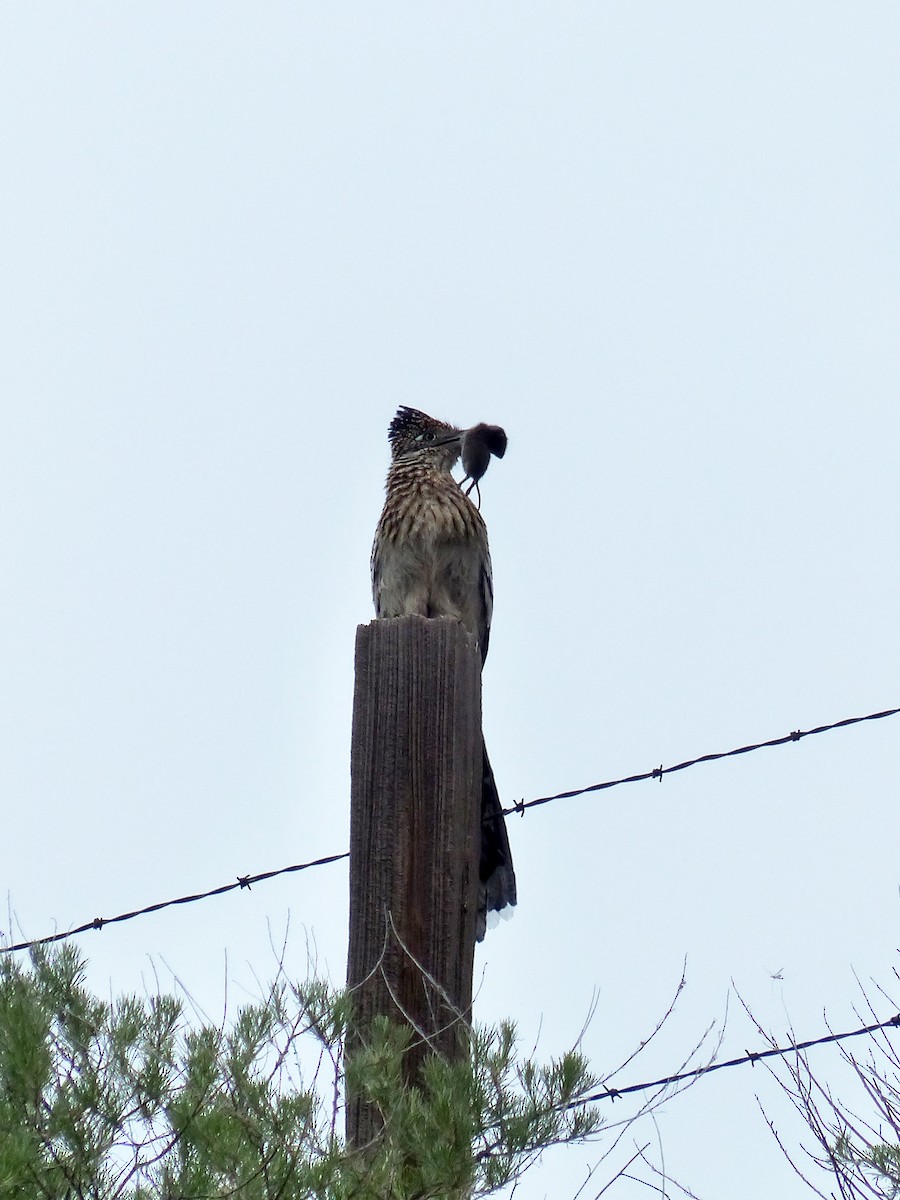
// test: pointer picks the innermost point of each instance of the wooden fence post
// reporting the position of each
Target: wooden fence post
(415, 813)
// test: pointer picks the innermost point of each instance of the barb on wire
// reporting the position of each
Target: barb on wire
(242, 881)
(612, 1093)
(658, 772)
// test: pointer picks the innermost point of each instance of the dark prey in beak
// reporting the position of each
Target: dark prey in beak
(477, 446)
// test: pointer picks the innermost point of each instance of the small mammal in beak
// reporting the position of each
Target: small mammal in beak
(477, 446)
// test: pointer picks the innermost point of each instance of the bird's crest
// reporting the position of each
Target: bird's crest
(414, 430)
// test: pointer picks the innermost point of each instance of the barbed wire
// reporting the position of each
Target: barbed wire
(242, 881)
(751, 1057)
(659, 772)
(245, 881)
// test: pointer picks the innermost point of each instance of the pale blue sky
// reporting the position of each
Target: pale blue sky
(659, 244)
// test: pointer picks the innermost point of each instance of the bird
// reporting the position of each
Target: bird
(430, 558)
(477, 446)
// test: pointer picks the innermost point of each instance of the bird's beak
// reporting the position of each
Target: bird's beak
(448, 439)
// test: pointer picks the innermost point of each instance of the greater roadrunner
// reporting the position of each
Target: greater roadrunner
(431, 559)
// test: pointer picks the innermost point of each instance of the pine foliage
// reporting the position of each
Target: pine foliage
(135, 1098)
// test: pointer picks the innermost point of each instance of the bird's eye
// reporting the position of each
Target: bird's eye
(427, 436)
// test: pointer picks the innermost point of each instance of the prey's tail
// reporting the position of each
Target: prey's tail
(497, 879)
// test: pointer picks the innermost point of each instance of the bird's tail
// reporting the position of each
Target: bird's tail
(497, 886)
